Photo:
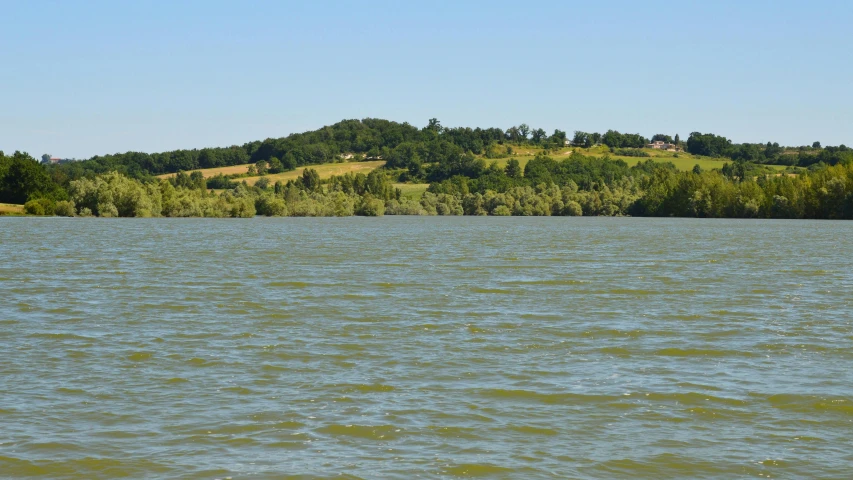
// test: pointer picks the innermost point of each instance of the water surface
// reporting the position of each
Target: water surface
(425, 347)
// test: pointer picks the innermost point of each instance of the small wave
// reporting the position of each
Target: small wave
(140, 356)
(495, 291)
(367, 388)
(478, 470)
(549, 398)
(701, 352)
(370, 432)
(530, 430)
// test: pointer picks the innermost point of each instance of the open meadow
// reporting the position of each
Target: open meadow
(212, 172)
(682, 160)
(325, 171)
(11, 209)
(412, 190)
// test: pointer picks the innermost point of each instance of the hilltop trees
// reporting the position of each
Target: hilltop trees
(615, 139)
(708, 144)
(23, 178)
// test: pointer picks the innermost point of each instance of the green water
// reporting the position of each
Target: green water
(425, 347)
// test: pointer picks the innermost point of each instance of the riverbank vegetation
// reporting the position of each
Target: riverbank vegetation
(375, 167)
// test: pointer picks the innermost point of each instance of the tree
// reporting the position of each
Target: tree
(263, 183)
(662, 138)
(289, 161)
(558, 137)
(197, 180)
(311, 180)
(524, 131)
(816, 145)
(22, 178)
(261, 167)
(539, 135)
(513, 168)
(513, 134)
(677, 139)
(708, 144)
(595, 138)
(276, 166)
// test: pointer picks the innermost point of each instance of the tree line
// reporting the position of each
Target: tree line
(456, 163)
(574, 186)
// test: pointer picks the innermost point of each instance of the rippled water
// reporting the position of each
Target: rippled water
(425, 347)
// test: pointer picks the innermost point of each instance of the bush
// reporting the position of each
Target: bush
(502, 211)
(64, 208)
(220, 182)
(40, 206)
(573, 209)
(369, 206)
(630, 152)
(263, 183)
(271, 206)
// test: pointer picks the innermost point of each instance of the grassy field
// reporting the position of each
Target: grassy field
(212, 172)
(325, 171)
(412, 190)
(683, 162)
(11, 209)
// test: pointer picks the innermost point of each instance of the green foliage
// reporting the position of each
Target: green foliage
(22, 178)
(708, 144)
(630, 152)
(220, 182)
(369, 206)
(39, 206)
(579, 169)
(194, 180)
(65, 208)
(275, 166)
(615, 139)
(263, 183)
(114, 195)
(513, 169)
(310, 180)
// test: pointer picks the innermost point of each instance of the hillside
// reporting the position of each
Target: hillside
(682, 160)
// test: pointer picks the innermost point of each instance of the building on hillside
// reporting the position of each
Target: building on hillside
(660, 145)
(50, 159)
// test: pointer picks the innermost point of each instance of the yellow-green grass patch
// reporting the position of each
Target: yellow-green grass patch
(325, 171)
(684, 162)
(212, 172)
(11, 209)
(412, 191)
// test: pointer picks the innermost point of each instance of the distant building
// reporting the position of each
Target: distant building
(660, 145)
(48, 159)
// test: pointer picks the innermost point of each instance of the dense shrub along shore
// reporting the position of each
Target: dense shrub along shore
(650, 189)
(463, 179)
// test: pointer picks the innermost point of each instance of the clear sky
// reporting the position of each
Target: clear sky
(80, 78)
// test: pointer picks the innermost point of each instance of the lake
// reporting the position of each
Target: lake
(407, 347)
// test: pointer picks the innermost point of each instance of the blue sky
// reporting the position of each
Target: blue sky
(80, 78)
